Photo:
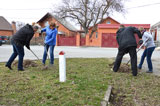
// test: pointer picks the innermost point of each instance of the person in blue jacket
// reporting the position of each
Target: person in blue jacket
(49, 42)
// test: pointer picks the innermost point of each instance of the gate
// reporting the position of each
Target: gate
(66, 40)
(82, 41)
(109, 40)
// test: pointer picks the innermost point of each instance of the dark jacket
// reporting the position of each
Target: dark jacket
(23, 36)
(125, 37)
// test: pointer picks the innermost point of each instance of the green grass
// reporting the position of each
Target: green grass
(87, 81)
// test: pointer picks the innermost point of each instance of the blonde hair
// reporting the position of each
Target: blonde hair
(141, 28)
(33, 23)
(52, 24)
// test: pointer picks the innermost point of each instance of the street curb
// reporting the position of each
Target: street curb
(107, 95)
(157, 48)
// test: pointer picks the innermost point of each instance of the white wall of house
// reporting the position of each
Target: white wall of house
(158, 34)
(153, 34)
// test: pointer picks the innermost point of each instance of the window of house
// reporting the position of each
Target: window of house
(108, 22)
(96, 34)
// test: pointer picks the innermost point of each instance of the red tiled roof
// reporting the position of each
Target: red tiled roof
(102, 26)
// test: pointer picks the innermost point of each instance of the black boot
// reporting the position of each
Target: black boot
(20, 69)
(8, 66)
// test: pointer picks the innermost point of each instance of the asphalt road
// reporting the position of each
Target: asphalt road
(70, 52)
(76, 52)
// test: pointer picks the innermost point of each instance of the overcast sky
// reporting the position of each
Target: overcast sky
(29, 11)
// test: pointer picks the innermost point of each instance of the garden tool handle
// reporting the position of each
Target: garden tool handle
(139, 49)
(35, 55)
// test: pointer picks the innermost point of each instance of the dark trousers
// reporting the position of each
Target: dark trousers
(147, 53)
(133, 55)
(17, 50)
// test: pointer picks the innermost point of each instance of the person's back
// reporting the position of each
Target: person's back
(23, 36)
(126, 38)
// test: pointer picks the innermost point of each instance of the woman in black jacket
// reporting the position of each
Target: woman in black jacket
(20, 39)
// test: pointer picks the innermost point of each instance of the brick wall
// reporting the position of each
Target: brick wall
(6, 33)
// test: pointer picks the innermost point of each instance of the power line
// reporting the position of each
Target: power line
(24, 9)
(18, 9)
(21, 18)
(143, 5)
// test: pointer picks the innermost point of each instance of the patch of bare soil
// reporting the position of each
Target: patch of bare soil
(125, 68)
(26, 63)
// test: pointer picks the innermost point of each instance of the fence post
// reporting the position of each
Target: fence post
(62, 67)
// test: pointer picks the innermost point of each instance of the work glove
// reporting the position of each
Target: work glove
(140, 42)
(28, 47)
(45, 44)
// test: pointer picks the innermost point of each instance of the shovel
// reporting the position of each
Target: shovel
(35, 55)
(139, 49)
(45, 47)
(45, 67)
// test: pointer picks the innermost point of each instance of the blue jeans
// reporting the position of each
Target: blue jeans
(147, 53)
(17, 50)
(46, 47)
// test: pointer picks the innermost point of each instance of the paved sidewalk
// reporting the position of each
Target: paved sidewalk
(155, 63)
(156, 67)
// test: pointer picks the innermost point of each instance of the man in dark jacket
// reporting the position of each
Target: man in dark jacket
(20, 39)
(127, 44)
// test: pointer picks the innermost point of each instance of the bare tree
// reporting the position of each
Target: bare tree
(19, 25)
(88, 12)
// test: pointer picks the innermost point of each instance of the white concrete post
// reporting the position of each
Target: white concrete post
(62, 67)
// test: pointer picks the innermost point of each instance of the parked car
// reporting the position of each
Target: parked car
(3, 39)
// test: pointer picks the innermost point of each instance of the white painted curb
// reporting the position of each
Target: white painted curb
(106, 98)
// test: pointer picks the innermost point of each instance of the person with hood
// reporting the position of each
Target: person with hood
(149, 48)
(20, 39)
(127, 44)
(50, 42)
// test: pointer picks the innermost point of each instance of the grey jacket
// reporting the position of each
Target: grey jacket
(148, 39)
